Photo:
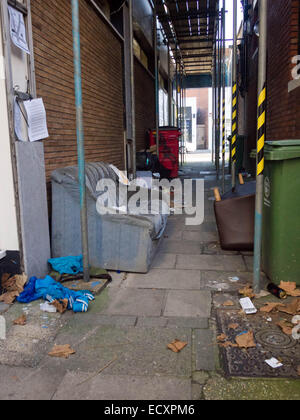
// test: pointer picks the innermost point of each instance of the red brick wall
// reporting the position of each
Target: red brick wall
(144, 104)
(283, 107)
(102, 86)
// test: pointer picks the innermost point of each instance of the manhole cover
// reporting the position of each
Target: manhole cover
(275, 339)
(270, 342)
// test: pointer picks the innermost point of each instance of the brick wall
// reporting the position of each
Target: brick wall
(102, 86)
(283, 107)
(144, 104)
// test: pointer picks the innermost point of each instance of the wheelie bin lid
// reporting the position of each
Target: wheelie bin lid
(282, 149)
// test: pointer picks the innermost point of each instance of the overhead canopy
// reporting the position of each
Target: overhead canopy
(190, 27)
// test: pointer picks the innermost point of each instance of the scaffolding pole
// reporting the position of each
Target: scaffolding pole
(80, 139)
(261, 131)
(234, 98)
(223, 97)
(156, 59)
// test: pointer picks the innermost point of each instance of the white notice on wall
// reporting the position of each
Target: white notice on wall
(18, 29)
(37, 121)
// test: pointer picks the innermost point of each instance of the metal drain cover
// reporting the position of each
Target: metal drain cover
(275, 339)
(270, 342)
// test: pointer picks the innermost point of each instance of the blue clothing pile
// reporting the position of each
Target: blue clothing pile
(50, 290)
(67, 265)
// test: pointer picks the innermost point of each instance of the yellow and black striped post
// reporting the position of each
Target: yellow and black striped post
(223, 141)
(261, 131)
(234, 131)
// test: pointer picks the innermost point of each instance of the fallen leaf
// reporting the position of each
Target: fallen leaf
(63, 351)
(227, 344)
(290, 288)
(222, 337)
(228, 303)
(246, 340)
(247, 291)
(233, 326)
(286, 327)
(60, 305)
(292, 309)
(270, 306)
(21, 321)
(176, 346)
(9, 297)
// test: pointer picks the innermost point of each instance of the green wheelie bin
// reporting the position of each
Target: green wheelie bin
(281, 211)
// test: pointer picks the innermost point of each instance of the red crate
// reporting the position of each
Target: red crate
(168, 148)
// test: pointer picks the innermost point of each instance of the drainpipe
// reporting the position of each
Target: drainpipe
(133, 134)
(262, 72)
(80, 139)
(234, 96)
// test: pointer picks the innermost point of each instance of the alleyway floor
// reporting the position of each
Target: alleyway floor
(121, 343)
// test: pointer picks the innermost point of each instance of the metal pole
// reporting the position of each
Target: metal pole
(234, 96)
(169, 88)
(132, 89)
(261, 130)
(156, 80)
(214, 109)
(223, 99)
(219, 100)
(80, 139)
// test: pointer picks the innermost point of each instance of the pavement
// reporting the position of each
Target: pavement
(121, 343)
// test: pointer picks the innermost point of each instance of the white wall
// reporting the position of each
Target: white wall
(8, 215)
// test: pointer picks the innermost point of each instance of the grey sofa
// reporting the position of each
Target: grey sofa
(125, 242)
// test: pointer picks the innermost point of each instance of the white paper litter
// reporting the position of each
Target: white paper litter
(274, 363)
(46, 307)
(247, 305)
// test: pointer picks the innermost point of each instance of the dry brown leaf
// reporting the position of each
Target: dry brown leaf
(222, 337)
(246, 340)
(60, 305)
(228, 303)
(270, 306)
(233, 326)
(286, 327)
(176, 346)
(21, 321)
(63, 351)
(228, 344)
(247, 291)
(292, 309)
(9, 297)
(290, 288)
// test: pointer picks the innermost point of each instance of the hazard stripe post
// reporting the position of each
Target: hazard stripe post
(261, 133)
(234, 98)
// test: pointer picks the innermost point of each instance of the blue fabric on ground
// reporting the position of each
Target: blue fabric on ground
(51, 290)
(29, 294)
(67, 265)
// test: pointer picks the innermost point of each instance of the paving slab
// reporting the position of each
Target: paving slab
(187, 303)
(78, 386)
(180, 247)
(200, 236)
(164, 260)
(227, 281)
(19, 383)
(138, 302)
(165, 279)
(127, 351)
(211, 262)
(204, 350)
